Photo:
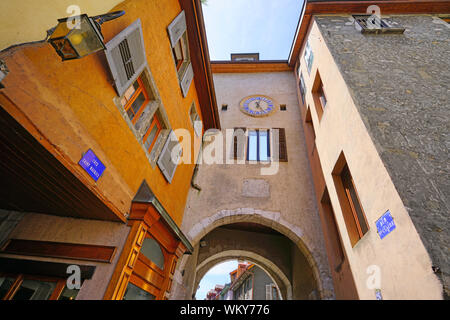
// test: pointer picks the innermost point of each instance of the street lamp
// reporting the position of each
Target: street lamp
(76, 37)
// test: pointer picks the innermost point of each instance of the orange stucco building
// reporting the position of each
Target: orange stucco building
(55, 113)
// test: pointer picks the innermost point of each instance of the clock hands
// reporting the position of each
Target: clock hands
(257, 104)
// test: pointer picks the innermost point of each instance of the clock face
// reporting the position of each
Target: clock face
(257, 105)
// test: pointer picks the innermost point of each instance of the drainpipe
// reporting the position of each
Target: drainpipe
(193, 184)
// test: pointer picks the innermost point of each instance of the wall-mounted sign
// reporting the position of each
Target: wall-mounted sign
(385, 224)
(92, 165)
(378, 295)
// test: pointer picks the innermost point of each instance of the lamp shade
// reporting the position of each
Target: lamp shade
(76, 37)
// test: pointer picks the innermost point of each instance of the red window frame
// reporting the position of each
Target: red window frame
(134, 97)
(157, 123)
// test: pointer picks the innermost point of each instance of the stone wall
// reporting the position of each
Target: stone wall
(400, 85)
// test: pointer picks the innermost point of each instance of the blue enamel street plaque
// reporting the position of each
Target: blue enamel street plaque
(385, 224)
(92, 165)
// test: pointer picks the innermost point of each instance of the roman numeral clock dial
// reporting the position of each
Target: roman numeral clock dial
(257, 105)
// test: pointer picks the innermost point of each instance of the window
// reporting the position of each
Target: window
(245, 57)
(135, 99)
(258, 144)
(135, 293)
(152, 133)
(258, 147)
(224, 107)
(374, 24)
(152, 251)
(274, 293)
(30, 287)
(352, 210)
(180, 49)
(319, 96)
(302, 87)
(179, 54)
(282, 107)
(309, 56)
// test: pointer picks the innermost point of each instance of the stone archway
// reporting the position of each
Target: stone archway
(275, 273)
(272, 220)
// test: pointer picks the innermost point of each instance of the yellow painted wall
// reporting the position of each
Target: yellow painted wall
(28, 20)
(71, 104)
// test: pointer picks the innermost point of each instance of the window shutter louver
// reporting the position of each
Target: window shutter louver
(238, 144)
(126, 57)
(187, 79)
(165, 162)
(282, 153)
(268, 292)
(176, 28)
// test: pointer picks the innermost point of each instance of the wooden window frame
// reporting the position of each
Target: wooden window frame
(157, 123)
(318, 91)
(19, 278)
(347, 204)
(136, 94)
(179, 62)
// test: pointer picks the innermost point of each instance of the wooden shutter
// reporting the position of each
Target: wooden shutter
(268, 292)
(176, 28)
(126, 57)
(238, 150)
(282, 153)
(165, 162)
(187, 79)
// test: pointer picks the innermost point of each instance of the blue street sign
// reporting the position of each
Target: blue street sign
(385, 224)
(92, 165)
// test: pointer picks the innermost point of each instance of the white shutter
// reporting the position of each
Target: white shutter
(187, 79)
(176, 28)
(268, 292)
(169, 157)
(126, 56)
(198, 126)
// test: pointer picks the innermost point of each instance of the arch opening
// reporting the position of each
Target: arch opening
(305, 277)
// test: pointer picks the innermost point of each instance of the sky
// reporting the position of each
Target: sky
(219, 274)
(249, 26)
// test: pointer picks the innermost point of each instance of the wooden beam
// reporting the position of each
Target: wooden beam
(76, 251)
(249, 67)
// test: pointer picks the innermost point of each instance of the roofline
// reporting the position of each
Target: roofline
(312, 7)
(227, 66)
(201, 63)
